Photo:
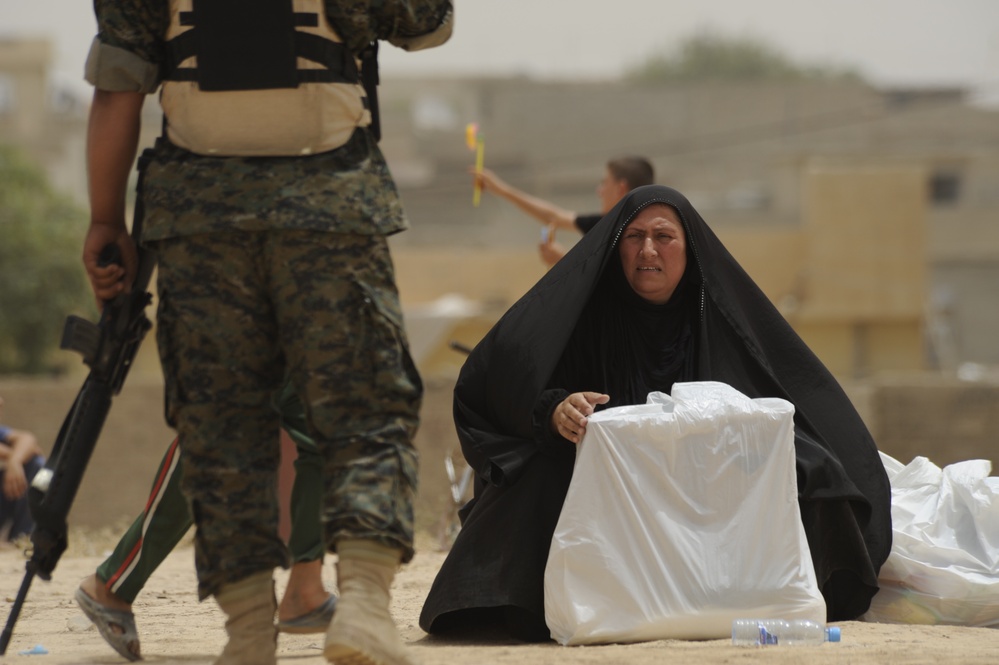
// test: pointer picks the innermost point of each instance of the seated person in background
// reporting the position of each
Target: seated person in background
(652, 297)
(20, 460)
(621, 175)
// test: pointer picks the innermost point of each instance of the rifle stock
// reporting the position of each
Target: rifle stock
(108, 347)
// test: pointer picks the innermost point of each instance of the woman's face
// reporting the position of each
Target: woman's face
(653, 250)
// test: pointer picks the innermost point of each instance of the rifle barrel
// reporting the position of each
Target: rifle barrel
(15, 610)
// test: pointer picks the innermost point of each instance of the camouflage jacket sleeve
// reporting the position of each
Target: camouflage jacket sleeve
(126, 54)
(408, 24)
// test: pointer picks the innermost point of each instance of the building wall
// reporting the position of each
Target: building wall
(49, 126)
(24, 64)
(938, 417)
(864, 269)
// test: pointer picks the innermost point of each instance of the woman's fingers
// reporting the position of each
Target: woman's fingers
(573, 423)
(571, 415)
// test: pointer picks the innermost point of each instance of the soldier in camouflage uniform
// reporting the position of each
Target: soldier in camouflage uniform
(270, 265)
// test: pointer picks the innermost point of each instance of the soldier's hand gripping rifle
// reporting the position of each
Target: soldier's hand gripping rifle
(108, 348)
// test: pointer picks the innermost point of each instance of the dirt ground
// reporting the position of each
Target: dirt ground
(176, 629)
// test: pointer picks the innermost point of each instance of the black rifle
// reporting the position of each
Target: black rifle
(370, 81)
(108, 348)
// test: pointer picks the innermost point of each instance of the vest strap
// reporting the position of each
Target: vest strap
(339, 63)
(370, 81)
(302, 19)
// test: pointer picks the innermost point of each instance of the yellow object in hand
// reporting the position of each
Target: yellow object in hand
(480, 156)
(471, 134)
(475, 142)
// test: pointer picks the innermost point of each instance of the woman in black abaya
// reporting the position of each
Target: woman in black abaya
(648, 298)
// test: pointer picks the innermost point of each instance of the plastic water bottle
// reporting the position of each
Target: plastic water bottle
(763, 632)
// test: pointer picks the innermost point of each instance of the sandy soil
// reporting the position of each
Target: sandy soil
(176, 628)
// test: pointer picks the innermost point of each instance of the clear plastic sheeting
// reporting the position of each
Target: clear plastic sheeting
(681, 516)
(944, 561)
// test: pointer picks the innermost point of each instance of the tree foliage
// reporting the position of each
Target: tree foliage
(41, 275)
(708, 57)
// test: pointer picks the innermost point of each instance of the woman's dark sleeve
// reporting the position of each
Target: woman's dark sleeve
(499, 459)
(549, 442)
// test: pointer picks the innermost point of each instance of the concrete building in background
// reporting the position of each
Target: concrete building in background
(47, 123)
(870, 217)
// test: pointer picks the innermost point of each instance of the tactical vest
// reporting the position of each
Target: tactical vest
(258, 78)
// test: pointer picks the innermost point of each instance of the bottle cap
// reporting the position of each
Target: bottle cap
(832, 634)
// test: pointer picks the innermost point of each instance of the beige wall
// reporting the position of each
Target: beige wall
(857, 350)
(865, 243)
(935, 416)
(24, 63)
(863, 287)
(125, 458)
(852, 278)
(493, 276)
(773, 257)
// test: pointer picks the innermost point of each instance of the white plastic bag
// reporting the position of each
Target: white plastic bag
(682, 515)
(944, 561)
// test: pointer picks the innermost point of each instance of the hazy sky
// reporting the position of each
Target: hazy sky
(894, 42)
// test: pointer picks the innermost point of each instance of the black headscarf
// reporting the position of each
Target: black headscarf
(734, 335)
(625, 346)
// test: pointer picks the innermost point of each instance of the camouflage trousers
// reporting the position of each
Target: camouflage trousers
(239, 310)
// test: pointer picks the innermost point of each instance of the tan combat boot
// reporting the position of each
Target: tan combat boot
(362, 631)
(250, 606)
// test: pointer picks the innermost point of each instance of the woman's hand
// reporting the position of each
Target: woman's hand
(570, 417)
